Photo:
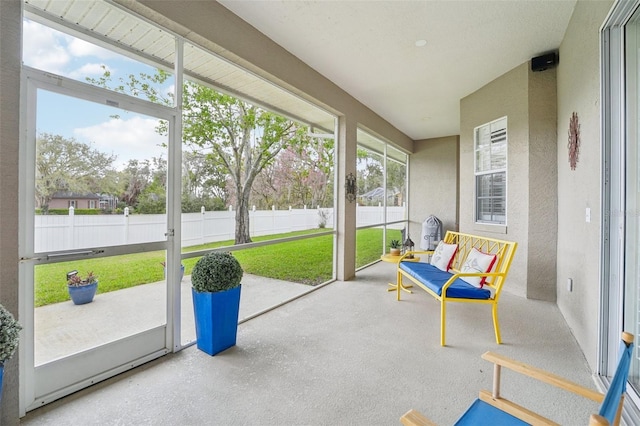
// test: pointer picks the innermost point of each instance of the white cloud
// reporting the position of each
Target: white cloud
(132, 138)
(89, 70)
(44, 48)
(171, 90)
(51, 50)
(80, 48)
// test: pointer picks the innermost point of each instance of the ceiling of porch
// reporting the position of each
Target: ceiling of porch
(368, 48)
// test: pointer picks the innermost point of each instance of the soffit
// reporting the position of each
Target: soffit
(105, 23)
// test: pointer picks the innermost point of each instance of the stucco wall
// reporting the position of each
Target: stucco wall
(433, 187)
(543, 180)
(579, 241)
(10, 24)
(528, 100)
(505, 96)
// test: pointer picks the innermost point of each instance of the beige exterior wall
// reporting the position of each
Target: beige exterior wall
(579, 241)
(433, 185)
(542, 185)
(505, 96)
(10, 27)
(528, 100)
(82, 203)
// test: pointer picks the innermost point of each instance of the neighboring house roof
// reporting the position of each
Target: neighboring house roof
(75, 195)
(378, 193)
(374, 193)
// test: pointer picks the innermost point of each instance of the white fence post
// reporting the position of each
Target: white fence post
(126, 225)
(202, 224)
(72, 215)
(252, 220)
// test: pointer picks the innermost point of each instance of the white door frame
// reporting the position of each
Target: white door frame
(614, 138)
(45, 383)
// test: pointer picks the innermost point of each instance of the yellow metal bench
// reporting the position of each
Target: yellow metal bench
(450, 288)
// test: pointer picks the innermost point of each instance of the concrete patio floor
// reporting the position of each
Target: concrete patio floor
(347, 354)
(64, 328)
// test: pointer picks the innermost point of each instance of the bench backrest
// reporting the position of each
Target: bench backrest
(503, 249)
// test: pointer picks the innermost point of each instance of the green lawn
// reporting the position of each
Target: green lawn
(306, 261)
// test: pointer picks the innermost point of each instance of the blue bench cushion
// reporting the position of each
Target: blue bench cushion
(434, 279)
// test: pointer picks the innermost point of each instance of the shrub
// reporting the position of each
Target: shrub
(9, 334)
(65, 212)
(216, 271)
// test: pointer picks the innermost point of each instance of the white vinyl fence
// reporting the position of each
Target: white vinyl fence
(54, 232)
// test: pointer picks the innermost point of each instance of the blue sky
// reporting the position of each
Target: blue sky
(128, 136)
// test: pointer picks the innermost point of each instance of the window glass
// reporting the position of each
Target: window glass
(490, 169)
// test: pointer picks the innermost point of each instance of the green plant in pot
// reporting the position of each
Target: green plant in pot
(9, 338)
(215, 281)
(81, 290)
(394, 247)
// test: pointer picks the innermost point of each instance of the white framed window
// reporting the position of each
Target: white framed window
(72, 203)
(490, 158)
(92, 204)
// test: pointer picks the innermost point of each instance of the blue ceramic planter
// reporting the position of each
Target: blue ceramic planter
(1, 379)
(83, 294)
(216, 317)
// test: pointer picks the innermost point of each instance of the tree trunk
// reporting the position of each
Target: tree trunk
(242, 219)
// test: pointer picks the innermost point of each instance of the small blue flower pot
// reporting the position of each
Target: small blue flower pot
(216, 317)
(83, 294)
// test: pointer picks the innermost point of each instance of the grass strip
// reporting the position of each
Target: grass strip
(308, 261)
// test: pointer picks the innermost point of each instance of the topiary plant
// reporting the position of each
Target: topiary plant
(9, 334)
(216, 271)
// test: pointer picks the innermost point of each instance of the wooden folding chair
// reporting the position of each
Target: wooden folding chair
(492, 409)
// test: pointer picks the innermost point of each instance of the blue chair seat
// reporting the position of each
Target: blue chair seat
(480, 413)
(435, 279)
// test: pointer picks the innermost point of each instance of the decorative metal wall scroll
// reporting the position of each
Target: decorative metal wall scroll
(350, 187)
(574, 140)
